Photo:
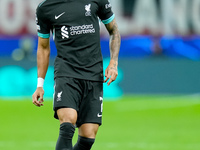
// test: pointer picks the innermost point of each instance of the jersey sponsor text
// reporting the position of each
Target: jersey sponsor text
(77, 30)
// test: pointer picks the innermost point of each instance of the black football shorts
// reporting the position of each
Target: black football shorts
(86, 97)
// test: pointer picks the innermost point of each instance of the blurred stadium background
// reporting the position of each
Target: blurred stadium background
(153, 105)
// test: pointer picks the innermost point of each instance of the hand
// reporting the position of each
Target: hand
(111, 72)
(37, 97)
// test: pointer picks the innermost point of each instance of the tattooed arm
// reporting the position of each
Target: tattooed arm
(115, 41)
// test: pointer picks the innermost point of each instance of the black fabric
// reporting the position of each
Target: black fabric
(76, 31)
(84, 143)
(65, 136)
(86, 97)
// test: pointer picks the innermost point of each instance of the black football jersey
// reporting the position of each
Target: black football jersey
(76, 33)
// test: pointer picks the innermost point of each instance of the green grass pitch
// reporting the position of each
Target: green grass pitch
(132, 123)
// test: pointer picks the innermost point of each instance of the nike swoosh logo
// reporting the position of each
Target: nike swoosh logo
(56, 17)
(98, 115)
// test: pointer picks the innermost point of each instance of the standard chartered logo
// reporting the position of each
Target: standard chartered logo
(77, 30)
(64, 32)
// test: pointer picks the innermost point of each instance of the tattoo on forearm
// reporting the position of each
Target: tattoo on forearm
(115, 39)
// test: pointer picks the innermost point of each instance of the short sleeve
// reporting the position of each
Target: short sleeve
(43, 27)
(105, 11)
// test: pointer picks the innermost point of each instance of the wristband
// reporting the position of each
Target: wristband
(40, 82)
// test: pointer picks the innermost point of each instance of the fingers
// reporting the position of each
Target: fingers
(112, 78)
(106, 79)
(35, 101)
(41, 99)
(38, 98)
(107, 75)
(112, 75)
(111, 71)
(38, 103)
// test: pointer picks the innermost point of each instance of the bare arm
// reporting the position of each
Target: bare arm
(43, 53)
(115, 41)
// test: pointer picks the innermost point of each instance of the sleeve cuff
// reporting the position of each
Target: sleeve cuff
(107, 21)
(45, 36)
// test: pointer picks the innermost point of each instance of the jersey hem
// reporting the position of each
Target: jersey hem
(80, 78)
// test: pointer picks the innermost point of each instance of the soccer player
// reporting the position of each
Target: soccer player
(78, 74)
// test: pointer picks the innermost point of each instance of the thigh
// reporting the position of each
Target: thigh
(67, 94)
(91, 106)
(67, 115)
(88, 130)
